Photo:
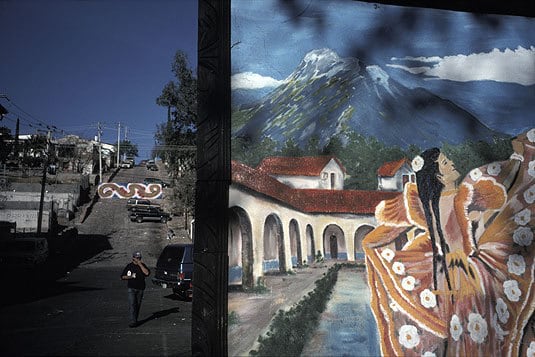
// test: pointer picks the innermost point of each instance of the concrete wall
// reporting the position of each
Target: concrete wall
(26, 219)
(64, 201)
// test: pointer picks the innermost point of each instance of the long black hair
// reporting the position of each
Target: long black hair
(429, 190)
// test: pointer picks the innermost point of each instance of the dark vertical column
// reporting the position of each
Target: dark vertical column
(209, 325)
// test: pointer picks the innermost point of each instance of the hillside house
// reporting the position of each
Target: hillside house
(393, 175)
(312, 172)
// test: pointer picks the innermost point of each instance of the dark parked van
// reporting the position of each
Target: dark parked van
(174, 269)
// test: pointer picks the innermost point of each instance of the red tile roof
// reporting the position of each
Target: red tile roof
(389, 169)
(309, 200)
(296, 166)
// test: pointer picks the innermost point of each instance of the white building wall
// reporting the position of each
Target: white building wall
(64, 200)
(323, 181)
(259, 208)
(326, 174)
(26, 219)
(388, 183)
(301, 182)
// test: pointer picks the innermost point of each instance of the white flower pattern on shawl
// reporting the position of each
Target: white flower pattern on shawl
(428, 299)
(475, 174)
(502, 311)
(523, 236)
(516, 264)
(398, 268)
(511, 290)
(500, 333)
(531, 350)
(523, 217)
(531, 135)
(388, 254)
(408, 336)
(531, 168)
(494, 169)
(394, 306)
(456, 329)
(529, 194)
(477, 326)
(408, 283)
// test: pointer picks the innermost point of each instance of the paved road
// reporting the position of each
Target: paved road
(347, 326)
(76, 304)
(85, 313)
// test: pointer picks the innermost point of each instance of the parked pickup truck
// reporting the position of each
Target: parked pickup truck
(149, 213)
(133, 204)
(149, 180)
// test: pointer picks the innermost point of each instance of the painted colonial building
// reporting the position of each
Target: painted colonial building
(287, 211)
(393, 175)
(323, 172)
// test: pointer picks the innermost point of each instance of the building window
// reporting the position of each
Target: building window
(333, 180)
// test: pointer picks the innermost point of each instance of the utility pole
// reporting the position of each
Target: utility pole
(118, 144)
(43, 184)
(99, 156)
(125, 138)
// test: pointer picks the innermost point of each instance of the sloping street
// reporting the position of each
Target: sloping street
(77, 305)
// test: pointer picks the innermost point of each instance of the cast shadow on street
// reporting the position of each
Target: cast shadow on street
(31, 284)
(159, 314)
(22, 294)
(176, 297)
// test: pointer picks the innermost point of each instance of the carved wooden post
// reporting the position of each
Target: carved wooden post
(209, 324)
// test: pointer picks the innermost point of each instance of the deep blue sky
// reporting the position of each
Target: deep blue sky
(73, 63)
(484, 63)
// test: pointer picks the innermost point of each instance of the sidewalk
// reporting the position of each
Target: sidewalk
(254, 312)
(347, 326)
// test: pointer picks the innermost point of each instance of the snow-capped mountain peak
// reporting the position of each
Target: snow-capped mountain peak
(379, 77)
(320, 63)
(322, 55)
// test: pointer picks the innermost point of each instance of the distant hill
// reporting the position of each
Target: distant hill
(327, 95)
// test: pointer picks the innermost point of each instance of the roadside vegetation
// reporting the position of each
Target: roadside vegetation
(176, 137)
(290, 330)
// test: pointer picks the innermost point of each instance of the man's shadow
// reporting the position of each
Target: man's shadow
(158, 314)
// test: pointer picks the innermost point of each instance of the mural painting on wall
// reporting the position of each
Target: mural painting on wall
(130, 190)
(395, 140)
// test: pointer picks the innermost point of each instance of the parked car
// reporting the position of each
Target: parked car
(149, 180)
(174, 269)
(131, 160)
(152, 167)
(125, 165)
(149, 213)
(27, 252)
(134, 203)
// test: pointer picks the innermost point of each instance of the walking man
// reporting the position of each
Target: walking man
(135, 273)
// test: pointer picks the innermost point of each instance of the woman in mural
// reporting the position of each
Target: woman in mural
(462, 282)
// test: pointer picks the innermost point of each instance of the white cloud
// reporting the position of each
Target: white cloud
(511, 66)
(250, 80)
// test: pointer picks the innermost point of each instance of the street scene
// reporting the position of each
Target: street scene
(76, 304)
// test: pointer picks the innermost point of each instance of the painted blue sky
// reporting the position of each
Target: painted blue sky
(484, 63)
(71, 64)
